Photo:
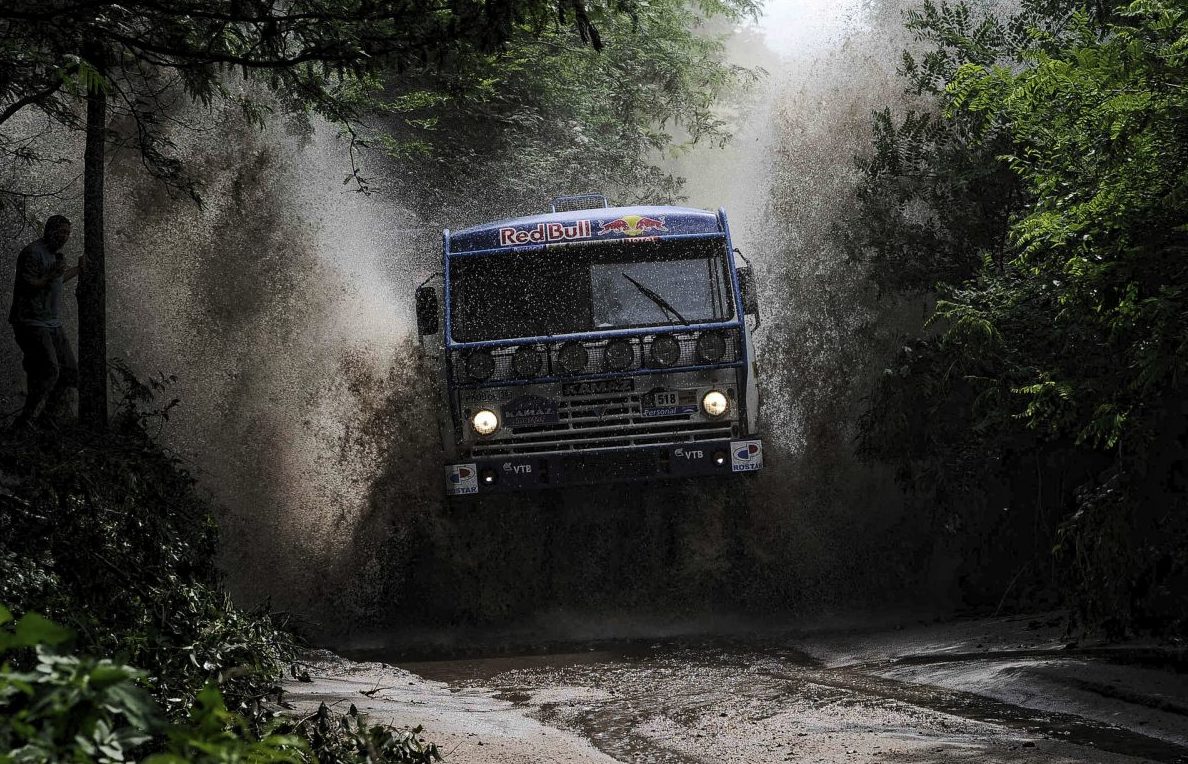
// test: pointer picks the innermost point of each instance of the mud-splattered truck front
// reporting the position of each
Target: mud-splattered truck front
(592, 344)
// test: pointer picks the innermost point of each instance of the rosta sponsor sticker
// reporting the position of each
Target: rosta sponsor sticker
(461, 479)
(746, 455)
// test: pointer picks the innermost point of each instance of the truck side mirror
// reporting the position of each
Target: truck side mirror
(427, 322)
(746, 286)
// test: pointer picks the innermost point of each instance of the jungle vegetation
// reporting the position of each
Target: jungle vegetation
(1042, 202)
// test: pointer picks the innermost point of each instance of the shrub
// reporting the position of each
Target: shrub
(110, 538)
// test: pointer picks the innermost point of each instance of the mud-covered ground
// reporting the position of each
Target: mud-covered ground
(1002, 690)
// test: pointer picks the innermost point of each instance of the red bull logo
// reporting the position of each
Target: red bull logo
(633, 225)
(545, 233)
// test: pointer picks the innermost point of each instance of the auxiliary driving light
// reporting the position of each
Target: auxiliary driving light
(714, 403)
(488, 476)
(619, 355)
(485, 422)
(711, 347)
(666, 350)
(480, 365)
(526, 361)
(573, 357)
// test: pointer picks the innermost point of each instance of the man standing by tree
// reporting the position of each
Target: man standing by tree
(36, 321)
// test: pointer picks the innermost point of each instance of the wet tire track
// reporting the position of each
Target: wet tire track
(1068, 727)
(661, 702)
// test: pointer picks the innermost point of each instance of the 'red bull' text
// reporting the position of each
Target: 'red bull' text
(543, 233)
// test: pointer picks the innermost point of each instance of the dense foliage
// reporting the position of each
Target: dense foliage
(111, 539)
(1046, 203)
(72, 708)
(529, 94)
(1098, 125)
(143, 54)
(545, 116)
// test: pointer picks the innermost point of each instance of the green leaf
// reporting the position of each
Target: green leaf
(33, 629)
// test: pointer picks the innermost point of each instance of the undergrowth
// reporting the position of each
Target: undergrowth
(107, 562)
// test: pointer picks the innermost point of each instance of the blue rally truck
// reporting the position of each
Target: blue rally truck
(592, 344)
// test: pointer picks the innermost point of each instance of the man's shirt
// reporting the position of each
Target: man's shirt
(31, 305)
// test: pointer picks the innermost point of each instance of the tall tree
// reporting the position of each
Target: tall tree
(138, 54)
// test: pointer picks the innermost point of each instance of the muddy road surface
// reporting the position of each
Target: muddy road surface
(1007, 690)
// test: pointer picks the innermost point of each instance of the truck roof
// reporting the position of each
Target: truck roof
(602, 223)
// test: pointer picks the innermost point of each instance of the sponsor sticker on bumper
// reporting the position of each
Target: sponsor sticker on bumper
(461, 479)
(746, 455)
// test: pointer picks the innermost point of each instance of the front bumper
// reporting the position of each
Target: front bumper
(521, 473)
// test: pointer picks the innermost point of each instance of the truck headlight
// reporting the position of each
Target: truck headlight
(485, 422)
(715, 403)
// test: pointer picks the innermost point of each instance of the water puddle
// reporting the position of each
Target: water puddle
(654, 701)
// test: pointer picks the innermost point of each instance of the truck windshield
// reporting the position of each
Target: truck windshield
(587, 288)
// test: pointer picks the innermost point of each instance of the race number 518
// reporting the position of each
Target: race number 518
(662, 400)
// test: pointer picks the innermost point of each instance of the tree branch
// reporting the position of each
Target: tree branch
(33, 98)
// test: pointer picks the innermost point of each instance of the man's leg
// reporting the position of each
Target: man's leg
(41, 368)
(57, 405)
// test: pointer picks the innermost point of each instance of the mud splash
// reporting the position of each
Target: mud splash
(799, 539)
(284, 308)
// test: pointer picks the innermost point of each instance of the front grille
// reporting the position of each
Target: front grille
(551, 368)
(602, 422)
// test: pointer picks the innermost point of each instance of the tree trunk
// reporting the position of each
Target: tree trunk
(92, 281)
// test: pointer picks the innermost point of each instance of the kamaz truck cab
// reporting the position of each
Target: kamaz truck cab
(592, 344)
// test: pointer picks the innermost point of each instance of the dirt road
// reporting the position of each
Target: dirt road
(985, 691)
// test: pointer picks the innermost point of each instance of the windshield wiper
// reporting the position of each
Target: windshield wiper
(660, 301)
